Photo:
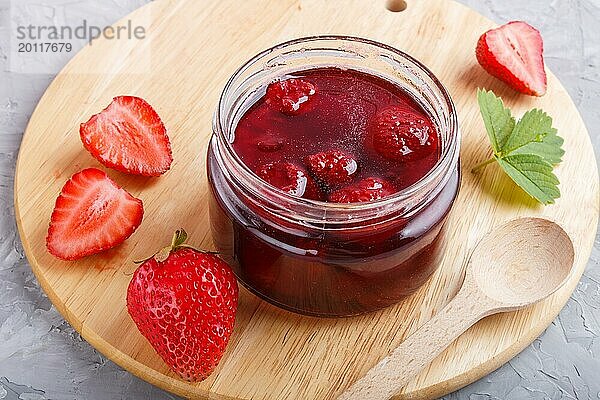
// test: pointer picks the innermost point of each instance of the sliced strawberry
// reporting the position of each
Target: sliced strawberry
(290, 178)
(291, 95)
(400, 134)
(513, 53)
(92, 214)
(368, 189)
(332, 167)
(128, 136)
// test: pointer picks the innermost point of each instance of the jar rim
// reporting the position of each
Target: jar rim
(448, 157)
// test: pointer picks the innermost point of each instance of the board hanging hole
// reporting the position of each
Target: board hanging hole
(396, 5)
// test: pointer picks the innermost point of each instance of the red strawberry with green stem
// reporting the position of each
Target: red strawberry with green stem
(92, 214)
(184, 302)
(513, 53)
(128, 136)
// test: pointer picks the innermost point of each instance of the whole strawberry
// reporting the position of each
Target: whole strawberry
(332, 167)
(368, 189)
(399, 134)
(290, 96)
(290, 178)
(184, 302)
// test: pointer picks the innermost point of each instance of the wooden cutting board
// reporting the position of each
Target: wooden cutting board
(273, 354)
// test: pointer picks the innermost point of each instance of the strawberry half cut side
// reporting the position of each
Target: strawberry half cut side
(128, 136)
(513, 53)
(92, 214)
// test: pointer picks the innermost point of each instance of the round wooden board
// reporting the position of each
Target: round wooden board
(273, 354)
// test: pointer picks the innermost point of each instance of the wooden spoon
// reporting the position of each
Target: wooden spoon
(512, 267)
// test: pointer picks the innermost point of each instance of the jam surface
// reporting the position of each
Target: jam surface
(337, 135)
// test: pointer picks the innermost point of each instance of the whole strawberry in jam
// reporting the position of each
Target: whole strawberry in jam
(270, 144)
(400, 134)
(291, 95)
(331, 167)
(184, 302)
(290, 178)
(368, 189)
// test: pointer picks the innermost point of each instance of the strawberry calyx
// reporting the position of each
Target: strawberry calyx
(177, 242)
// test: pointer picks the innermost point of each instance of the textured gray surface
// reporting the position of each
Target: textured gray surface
(42, 357)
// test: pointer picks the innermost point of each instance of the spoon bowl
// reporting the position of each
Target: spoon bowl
(522, 262)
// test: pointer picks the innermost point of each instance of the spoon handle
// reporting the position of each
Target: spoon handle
(418, 350)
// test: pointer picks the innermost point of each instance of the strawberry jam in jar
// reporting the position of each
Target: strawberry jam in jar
(333, 165)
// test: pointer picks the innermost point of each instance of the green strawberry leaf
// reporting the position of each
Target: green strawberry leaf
(498, 121)
(527, 150)
(534, 134)
(533, 174)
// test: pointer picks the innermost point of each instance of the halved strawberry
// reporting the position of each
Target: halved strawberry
(128, 136)
(514, 53)
(92, 214)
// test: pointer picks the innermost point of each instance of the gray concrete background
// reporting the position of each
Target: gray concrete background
(42, 357)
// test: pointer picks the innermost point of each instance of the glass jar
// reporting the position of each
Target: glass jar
(320, 258)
